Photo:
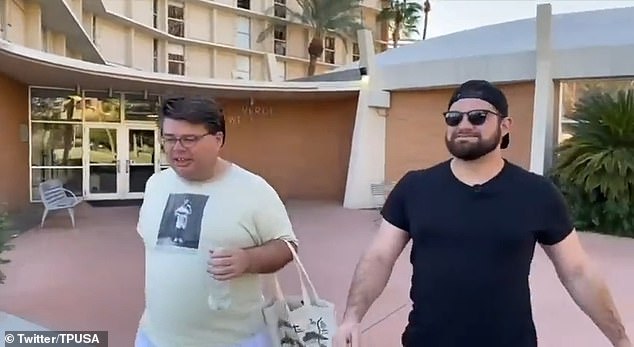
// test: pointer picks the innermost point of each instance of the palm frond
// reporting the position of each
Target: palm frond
(402, 16)
(274, 21)
(598, 158)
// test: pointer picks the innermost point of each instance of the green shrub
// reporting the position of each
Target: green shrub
(5, 236)
(595, 166)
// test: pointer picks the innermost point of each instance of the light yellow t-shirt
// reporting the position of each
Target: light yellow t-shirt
(239, 210)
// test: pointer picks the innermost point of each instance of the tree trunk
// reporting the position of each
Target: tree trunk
(312, 65)
(396, 37)
(315, 50)
(426, 9)
(69, 135)
(425, 26)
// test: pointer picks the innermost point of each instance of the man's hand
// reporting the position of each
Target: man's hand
(226, 264)
(348, 334)
(584, 283)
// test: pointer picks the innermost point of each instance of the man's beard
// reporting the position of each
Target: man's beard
(473, 150)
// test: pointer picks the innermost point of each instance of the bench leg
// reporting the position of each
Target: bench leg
(43, 217)
(71, 213)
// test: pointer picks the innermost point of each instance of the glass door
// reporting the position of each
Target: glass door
(140, 160)
(102, 165)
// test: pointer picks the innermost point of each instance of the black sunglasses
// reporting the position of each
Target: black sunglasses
(475, 117)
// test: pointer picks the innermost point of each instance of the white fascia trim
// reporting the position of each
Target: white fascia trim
(176, 80)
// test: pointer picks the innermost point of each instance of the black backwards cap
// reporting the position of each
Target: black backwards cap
(483, 90)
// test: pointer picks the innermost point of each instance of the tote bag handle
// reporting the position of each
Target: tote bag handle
(308, 297)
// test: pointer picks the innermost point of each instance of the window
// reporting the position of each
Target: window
(279, 40)
(155, 11)
(176, 59)
(56, 146)
(3, 19)
(139, 107)
(355, 51)
(176, 19)
(329, 50)
(93, 29)
(572, 91)
(155, 55)
(243, 68)
(279, 8)
(245, 4)
(243, 34)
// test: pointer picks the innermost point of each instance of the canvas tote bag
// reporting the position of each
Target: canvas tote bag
(295, 320)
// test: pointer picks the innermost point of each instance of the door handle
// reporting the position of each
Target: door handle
(127, 166)
(118, 167)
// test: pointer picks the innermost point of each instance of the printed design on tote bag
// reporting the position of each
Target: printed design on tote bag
(313, 335)
(182, 220)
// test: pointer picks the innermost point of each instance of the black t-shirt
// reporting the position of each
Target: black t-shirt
(472, 248)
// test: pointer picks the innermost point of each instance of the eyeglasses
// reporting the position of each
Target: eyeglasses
(187, 141)
(475, 117)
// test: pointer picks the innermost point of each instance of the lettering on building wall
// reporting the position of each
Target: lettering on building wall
(250, 113)
(257, 110)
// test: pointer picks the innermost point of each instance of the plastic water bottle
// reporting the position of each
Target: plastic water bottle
(219, 293)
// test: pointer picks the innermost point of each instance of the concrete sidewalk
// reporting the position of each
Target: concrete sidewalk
(91, 278)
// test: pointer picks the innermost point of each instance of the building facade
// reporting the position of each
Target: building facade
(93, 125)
(195, 38)
(544, 65)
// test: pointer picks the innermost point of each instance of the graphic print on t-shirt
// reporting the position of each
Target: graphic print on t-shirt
(182, 219)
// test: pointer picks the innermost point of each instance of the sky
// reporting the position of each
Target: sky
(448, 16)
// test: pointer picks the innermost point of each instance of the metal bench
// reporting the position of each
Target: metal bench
(380, 192)
(55, 197)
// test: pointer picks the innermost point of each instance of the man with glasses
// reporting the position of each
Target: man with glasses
(210, 228)
(474, 221)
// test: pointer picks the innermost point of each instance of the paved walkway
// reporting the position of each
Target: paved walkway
(92, 278)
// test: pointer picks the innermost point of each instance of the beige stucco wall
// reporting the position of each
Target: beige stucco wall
(16, 21)
(126, 36)
(24, 27)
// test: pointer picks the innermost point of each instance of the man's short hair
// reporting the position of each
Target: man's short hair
(195, 110)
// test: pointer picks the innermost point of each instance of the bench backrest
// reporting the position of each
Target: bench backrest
(52, 192)
(379, 193)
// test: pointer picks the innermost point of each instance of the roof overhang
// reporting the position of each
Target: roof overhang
(573, 63)
(507, 52)
(37, 68)
(506, 68)
(59, 17)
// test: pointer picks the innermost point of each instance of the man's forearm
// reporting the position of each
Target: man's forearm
(269, 257)
(591, 294)
(369, 281)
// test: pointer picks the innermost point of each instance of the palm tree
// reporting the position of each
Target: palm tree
(341, 18)
(402, 16)
(595, 166)
(426, 9)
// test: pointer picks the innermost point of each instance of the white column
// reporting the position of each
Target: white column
(543, 107)
(272, 69)
(130, 49)
(367, 154)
